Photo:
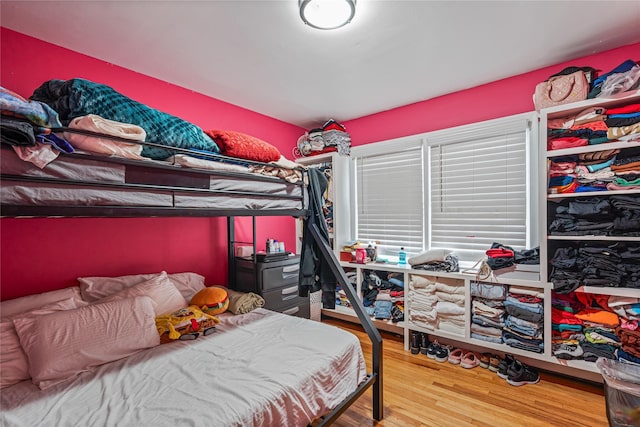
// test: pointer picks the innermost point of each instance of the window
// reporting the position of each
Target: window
(389, 202)
(461, 188)
(480, 186)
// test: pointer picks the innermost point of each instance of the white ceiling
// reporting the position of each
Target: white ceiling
(259, 55)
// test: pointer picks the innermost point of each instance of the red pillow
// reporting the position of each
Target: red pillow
(243, 146)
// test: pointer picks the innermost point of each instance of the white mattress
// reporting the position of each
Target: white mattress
(231, 191)
(259, 369)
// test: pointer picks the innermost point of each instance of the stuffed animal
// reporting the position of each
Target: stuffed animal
(186, 323)
(212, 300)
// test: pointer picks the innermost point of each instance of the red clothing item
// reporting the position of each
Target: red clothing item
(560, 316)
(631, 108)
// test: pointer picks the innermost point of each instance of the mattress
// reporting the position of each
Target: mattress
(86, 180)
(258, 369)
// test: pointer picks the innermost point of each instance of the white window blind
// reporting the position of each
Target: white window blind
(478, 185)
(390, 200)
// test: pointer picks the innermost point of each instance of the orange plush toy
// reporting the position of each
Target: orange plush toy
(212, 300)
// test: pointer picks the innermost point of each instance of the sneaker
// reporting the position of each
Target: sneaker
(494, 362)
(433, 349)
(442, 353)
(455, 356)
(414, 345)
(505, 364)
(521, 374)
(470, 360)
(424, 343)
(485, 360)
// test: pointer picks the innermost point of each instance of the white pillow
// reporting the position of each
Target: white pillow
(165, 296)
(21, 305)
(95, 288)
(14, 366)
(86, 337)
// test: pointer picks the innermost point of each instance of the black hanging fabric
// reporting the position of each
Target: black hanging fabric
(315, 273)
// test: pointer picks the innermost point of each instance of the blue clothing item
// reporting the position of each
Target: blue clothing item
(56, 142)
(598, 166)
(623, 356)
(382, 309)
(370, 310)
(487, 338)
(397, 282)
(486, 321)
(624, 116)
(522, 328)
(517, 344)
(560, 181)
(622, 68)
(488, 291)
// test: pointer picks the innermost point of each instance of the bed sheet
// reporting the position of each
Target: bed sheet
(258, 369)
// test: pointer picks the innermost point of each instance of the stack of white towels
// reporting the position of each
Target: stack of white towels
(436, 305)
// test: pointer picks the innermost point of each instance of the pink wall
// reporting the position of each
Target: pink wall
(42, 254)
(497, 99)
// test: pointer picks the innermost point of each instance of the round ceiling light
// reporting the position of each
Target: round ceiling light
(327, 14)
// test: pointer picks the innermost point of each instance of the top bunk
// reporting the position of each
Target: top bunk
(115, 157)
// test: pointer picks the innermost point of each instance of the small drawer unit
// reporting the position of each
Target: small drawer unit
(276, 282)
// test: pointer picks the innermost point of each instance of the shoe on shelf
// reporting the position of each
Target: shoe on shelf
(494, 362)
(433, 349)
(442, 353)
(505, 364)
(470, 360)
(424, 343)
(455, 356)
(414, 345)
(485, 360)
(521, 374)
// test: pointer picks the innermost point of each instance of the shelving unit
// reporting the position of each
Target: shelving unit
(551, 242)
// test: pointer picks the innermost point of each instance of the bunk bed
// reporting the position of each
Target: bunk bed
(251, 367)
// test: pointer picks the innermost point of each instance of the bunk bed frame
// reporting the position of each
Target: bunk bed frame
(151, 176)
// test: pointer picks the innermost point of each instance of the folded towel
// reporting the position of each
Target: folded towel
(94, 144)
(241, 302)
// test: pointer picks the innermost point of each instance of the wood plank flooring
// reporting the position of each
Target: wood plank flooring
(419, 391)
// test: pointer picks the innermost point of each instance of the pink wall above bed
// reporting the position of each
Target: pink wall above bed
(42, 254)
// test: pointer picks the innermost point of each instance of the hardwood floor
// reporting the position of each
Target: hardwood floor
(419, 391)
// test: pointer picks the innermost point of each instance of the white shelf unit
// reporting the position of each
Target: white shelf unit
(549, 242)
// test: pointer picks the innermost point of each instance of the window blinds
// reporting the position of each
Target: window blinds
(478, 187)
(390, 200)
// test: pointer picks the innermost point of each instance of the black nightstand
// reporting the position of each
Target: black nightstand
(276, 282)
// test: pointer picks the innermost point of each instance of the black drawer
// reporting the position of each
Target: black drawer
(282, 275)
(286, 296)
(300, 310)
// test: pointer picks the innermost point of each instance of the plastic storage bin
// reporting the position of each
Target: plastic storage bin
(622, 392)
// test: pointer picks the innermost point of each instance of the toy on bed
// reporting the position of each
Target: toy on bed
(212, 300)
(185, 324)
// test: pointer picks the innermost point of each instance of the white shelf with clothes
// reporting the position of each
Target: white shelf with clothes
(564, 212)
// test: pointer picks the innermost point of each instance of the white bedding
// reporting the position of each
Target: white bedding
(258, 369)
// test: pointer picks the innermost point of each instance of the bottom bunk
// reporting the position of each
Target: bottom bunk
(259, 368)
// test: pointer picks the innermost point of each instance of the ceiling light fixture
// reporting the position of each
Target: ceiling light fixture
(327, 14)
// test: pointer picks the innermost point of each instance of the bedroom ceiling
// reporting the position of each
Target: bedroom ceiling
(259, 55)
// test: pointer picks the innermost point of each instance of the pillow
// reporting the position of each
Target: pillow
(13, 362)
(85, 337)
(243, 146)
(165, 296)
(95, 288)
(20, 305)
